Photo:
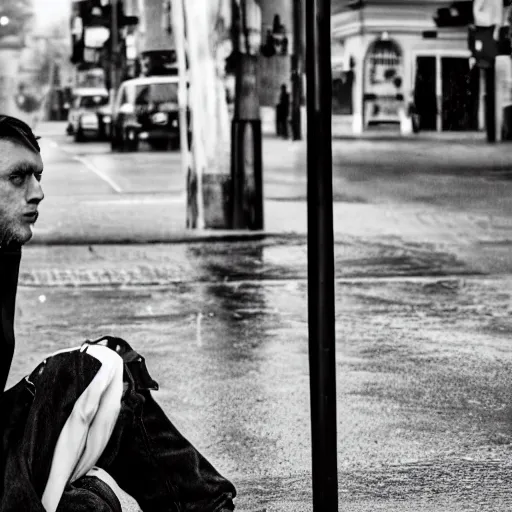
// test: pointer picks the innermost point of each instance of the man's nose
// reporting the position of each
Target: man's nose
(35, 191)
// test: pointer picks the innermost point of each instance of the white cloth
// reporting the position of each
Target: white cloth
(89, 426)
(487, 13)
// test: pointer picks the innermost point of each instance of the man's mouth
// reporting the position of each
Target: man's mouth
(32, 216)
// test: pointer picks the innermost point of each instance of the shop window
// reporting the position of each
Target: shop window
(385, 63)
(342, 92)
(383, 84)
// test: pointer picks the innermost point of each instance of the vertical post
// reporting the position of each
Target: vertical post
(490, 102)
(178, 23)
(246, 138)
(114, 58)
(194, 16)
(297, 58)
(321, 257)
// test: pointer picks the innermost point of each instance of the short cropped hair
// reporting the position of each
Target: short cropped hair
(17, 131)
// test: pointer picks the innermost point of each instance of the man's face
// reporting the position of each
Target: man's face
(20, 191)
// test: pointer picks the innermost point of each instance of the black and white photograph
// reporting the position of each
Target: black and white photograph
(255, 255)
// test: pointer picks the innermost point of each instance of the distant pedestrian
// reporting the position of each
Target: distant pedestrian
(283, 113)
(84, 421)
(412, 113)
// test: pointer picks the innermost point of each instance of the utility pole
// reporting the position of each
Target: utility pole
(246, 153)
(178, 22)
(490, 101)
(488, 17)
(114, 49)
(297, 67)
(321, 310)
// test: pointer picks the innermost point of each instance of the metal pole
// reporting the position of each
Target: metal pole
(322, 363)
(178, 23)
(114, 57)
(246, 138)
(490, 102)
(297, 66)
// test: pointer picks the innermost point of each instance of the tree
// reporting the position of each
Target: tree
(14, 16)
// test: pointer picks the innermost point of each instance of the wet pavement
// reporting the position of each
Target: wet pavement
(423, 325)
(423, 380)
(423, 362)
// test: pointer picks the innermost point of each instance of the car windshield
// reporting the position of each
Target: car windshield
(156, 93)
(92, 101)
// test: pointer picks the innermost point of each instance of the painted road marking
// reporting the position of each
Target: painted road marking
(138, 200)
(99, 173)
(89, 166)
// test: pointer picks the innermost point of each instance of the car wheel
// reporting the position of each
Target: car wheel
(131, 140)
(114, 140)
(79, 135)
(159, 145)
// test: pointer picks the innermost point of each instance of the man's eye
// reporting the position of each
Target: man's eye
(38, 176)
(18, 179)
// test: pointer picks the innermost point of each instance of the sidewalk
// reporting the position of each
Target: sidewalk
(160, 218)
(341, 129)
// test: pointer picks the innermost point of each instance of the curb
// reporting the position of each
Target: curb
(182, 237)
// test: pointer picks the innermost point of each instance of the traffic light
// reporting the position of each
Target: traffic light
(105, 18)
(77, 49)
(458, 14)
(91, 14)
(81, 17)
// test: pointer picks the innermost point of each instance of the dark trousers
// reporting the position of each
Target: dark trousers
(281, 121)
(146, 455)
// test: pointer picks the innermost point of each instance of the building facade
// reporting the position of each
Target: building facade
(388, 55)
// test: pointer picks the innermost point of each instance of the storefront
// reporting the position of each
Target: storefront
(399, 58)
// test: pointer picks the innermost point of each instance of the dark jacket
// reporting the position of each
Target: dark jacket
(10, 258)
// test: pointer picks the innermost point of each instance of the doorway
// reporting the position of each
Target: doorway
(425, 92)
(460, 94)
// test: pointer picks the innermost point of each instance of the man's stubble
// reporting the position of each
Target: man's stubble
(9, 235)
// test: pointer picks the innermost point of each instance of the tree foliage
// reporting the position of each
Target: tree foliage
(18, 13)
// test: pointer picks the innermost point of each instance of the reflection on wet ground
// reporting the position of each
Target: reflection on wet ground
(353, 257)
(424, 367)
(271, 260)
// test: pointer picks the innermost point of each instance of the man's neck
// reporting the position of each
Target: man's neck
(10, 247)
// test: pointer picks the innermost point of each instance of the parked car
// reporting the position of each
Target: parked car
(146, 109)
(87, 109)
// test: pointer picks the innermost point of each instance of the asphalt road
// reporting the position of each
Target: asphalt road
(423, 319)
(90, 189)
(97, 170)
(93, 194)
